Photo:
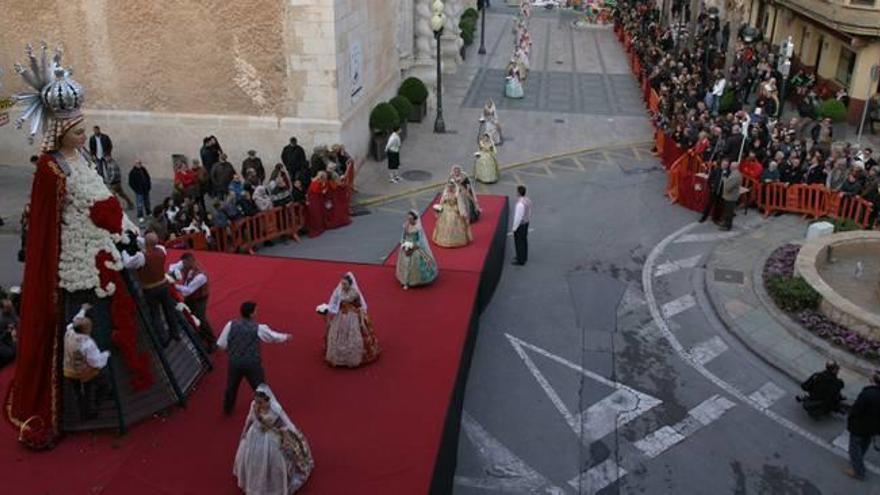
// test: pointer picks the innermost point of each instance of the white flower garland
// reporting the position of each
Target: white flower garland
(81, 239)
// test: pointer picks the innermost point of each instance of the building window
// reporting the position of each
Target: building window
(867, 3)
(845, 65)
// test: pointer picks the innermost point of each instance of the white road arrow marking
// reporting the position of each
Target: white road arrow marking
(508, 473)
(614, 411)
(676, 265)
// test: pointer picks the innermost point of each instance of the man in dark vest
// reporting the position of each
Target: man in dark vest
(241, 340)
(192, 284)
(150, 265)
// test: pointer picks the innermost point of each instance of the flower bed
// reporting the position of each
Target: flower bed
(800, 301)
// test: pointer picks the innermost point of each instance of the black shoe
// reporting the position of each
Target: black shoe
(517, 263)
(702, 219)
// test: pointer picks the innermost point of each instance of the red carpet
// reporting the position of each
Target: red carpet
(372, 430)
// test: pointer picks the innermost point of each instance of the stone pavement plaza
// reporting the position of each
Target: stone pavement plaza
(579, 95)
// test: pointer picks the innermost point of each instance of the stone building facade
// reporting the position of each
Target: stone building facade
(163, 74)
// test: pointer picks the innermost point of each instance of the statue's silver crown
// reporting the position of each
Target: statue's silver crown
(55, 93)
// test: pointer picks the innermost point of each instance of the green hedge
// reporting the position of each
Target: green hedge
(403, 106)
(468, 26)
(384, 118)
(414, 90)
(792, 294)
(470, 12)
(833, 109)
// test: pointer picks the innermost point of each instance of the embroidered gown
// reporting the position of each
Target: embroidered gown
(452, 229)
(419, 266)
(350, 341)
(486, 165)
(273, 457)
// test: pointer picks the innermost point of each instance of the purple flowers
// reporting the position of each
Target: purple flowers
(781, 262)
(821, 326)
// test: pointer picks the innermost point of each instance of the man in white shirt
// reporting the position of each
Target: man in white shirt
(192, 284)
(392, 150)
(522, 215)
(717, 93)
(241, 340)
(83, 362)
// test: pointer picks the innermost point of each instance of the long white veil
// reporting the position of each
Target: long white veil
(424, 245)
(336, 297)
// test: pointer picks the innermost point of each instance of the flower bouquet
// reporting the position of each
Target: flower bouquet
(322, 309)
(407, 247)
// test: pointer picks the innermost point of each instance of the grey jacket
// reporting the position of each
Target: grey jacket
(732, 183)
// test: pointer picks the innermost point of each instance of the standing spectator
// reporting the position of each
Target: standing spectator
(150, 265)
(192, 283)
(236, 187)
(863, 423)
(823, 135)
(100, 147)
(203, 183)
(293, 156)
(730, 194)
(8, 331)
(262, 198)
(392, 149)
(186, 182)
(522, 216)
(210, 153)
(837, 176)
(113, 179)
(716, 176)
(221, 176)
(342, 158)
(868, 158)
(139, 182)
(241, 340)
(23, 222)
(253, 163)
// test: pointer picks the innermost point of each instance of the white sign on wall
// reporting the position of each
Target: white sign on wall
(356, 70)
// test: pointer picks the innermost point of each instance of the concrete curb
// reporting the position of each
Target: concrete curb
(438, 184)
(823, 349)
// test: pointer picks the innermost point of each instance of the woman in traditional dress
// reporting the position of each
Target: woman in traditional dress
(490, 125)
(415, 262)
(513, 87)
(350, 340)
(453, 228)
(466, 188)
(486, 165)
(522, 62)
(273, 456)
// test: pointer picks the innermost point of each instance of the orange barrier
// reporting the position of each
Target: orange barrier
(247, 233)
(653, 102)
(754, 188)
(849, 208)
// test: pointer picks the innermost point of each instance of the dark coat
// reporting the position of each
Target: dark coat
(864, 416)
(294, 159)
(106, 144)
(732, 146)
(255, 164)
(139, 180)
(824, 386)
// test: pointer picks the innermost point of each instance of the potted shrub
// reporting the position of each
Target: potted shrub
(468, 26)
(833, 109)
(383, 121)
(417, 93)
(404, 108)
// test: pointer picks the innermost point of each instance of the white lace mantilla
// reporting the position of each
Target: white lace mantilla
(81, 239)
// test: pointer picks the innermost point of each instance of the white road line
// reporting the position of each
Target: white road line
(663, 326)
(616, 410)
(767, 395)
(679, 305)
(716, 236)
(676, 265)
(598, 477)
(708, 350)
(507, 472)
(666, 437)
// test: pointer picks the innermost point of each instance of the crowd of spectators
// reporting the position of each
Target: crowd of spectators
(705, 108)
(209, 191)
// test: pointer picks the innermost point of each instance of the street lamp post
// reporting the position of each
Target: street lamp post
(481, 4)
(438, 19)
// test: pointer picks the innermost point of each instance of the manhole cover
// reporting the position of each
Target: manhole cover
(559, 121)
(729, 276)
(416, 175)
